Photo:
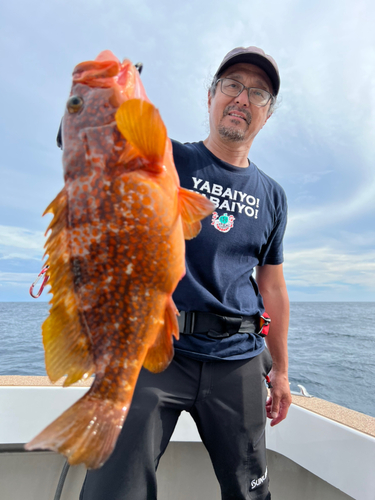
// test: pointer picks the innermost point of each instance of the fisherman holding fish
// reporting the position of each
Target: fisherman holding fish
(221, 363)
(116, 255)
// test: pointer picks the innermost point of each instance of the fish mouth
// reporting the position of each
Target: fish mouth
(96, 73)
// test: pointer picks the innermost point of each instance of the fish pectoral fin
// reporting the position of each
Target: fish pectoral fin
(141, 125)
(130, 160)
(193, 208)
(160, 354)
(129, 154)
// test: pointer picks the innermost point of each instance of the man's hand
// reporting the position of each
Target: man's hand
(278, 403)
(272, 287)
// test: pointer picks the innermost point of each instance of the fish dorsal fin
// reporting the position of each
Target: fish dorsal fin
(66, 343)
(193, 208)
(141, 125)
(160, 354)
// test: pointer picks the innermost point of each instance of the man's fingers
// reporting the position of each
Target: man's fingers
(272, 409)
(276, 409)
(275, 406)
(278, 403)
(282, 413)
(268, 407)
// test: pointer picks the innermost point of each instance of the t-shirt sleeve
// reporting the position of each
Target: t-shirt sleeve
(179, 154)
(273, 252)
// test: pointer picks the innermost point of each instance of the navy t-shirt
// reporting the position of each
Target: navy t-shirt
(246, 230)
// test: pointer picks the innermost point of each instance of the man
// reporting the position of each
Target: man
(220, 362)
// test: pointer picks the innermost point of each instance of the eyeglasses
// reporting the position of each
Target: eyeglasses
(230, 87)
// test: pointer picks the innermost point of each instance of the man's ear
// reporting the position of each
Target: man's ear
(269, 116)
(265, 121)
(209, 101)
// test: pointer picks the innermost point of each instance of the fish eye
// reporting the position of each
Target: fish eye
(74, 104)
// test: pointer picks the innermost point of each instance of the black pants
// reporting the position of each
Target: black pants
(227, 401)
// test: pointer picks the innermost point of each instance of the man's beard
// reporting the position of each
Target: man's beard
(232, 133)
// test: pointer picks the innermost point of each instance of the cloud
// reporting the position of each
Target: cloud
(18, 256)
(17, 278)
(18, 237)
(310, 177)
(21, 248)
(326, 267)
(324, 213)
(319, 145)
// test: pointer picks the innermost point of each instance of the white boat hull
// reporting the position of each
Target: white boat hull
(310, 456)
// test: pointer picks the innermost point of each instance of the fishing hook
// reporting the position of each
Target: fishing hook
(44, 282)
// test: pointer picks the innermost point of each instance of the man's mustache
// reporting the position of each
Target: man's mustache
(245, 112)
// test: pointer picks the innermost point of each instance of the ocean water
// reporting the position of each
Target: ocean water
(331, 348)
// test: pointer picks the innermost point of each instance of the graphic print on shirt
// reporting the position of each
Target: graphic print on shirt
(223, 223)
(230, 200)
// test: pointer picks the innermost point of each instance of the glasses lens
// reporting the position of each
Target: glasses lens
(231, 87)
(259, 97)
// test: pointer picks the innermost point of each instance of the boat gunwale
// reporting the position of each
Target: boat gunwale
(345, 416)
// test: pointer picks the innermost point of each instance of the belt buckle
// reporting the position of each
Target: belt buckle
(189, 322)
(186, 322)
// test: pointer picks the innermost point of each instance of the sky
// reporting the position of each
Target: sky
(319, 144)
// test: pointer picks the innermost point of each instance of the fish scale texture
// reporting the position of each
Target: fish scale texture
(116, 254)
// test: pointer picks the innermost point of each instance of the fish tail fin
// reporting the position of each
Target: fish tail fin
(193, 208)
(141, 125)
(85, 433)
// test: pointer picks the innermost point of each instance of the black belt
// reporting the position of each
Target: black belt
(216, 326)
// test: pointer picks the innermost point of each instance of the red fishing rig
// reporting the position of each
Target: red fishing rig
(43, 273)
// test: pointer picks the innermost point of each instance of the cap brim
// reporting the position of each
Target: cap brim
(258, 60)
